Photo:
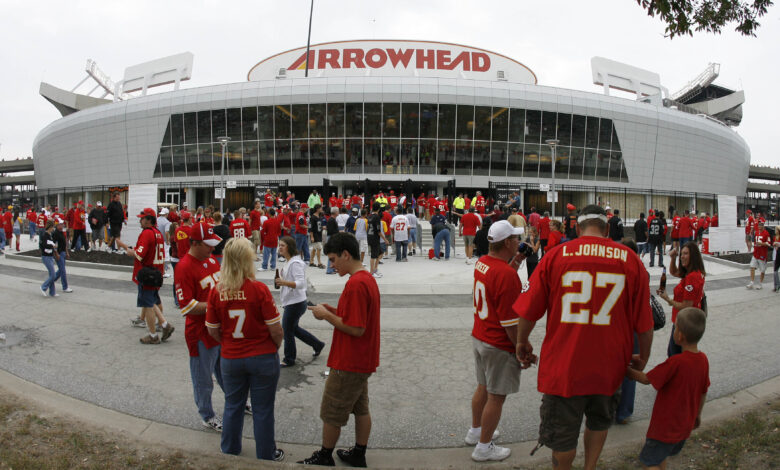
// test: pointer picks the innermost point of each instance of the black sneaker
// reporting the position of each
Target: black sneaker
(352, 456)
(278, 455)
(319, 458)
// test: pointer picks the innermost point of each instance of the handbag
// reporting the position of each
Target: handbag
(704, 302)
(659, 317)
(149, 277)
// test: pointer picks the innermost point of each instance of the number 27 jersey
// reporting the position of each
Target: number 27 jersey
(496, 286)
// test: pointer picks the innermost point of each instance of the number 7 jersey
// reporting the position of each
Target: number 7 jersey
(596, 295)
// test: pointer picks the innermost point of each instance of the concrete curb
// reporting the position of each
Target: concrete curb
(725, 262)
(192, 441)
(77, 264)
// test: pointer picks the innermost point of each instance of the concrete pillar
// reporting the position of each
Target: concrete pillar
(648, 203)
(191, 199)
(61, 202)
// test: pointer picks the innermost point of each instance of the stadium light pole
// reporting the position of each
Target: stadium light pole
(308, 40)
(553, 143)
(223, 141)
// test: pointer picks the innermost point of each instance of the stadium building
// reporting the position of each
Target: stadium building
(412, 116)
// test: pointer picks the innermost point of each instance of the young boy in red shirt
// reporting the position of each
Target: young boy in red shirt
(682, 382)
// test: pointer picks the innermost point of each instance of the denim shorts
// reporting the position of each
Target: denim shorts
(655, 452)
(147, 297)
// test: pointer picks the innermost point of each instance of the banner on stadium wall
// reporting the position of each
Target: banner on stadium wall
(139, 197)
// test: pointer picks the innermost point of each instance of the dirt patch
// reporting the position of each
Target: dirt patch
(93, 256)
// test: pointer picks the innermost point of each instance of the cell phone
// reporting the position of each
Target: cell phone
(310, 303)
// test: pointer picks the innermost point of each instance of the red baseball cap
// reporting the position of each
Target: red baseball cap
(570, 206)
(148, 211)
(185, 215)
(203, 232)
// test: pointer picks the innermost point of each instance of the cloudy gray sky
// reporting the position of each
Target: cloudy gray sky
(50, 41)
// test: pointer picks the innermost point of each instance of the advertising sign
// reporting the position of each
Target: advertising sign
(139, 197)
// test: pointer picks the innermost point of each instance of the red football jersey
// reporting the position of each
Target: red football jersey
(686, 229)
(239, 228)
(596, 294)
(149, 251)
(194, 280)
(271, 231)
(760, 252)
(496, 286)
(182, 236)
(432, 203)
(691, 287)
(268, 199)
(359, 307)
(254, 219)
(471, 223)
(544, 228)
(681, 381)
(357, 200)
(750, 225)
(676, 226)
(41, 220)
(553, 240)
(31, 216)
(333, 201)
(244, 316)
(479, 203)
(421, 201)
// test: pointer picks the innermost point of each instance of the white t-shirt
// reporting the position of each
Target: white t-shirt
(412, 220)
(400, 227)
(341, 221)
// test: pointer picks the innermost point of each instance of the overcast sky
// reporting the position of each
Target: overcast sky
(51, 40)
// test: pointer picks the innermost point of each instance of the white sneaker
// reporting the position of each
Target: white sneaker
(68, 290)
(215, 424)
(468, 261)
(473, 438)
(493, 452)
(749, 286)
(759, 286)
(260, 269)
(167, 275)
(377, 274)
(44, 293)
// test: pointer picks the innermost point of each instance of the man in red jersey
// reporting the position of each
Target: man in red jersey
(760, 251)
(333, 201)
(340, 201)
(357, 201)
(239, 227)
(675, 231)
(493, 338)
(32, 222)
(270, 233)
(354, 354)
(469, 224)
(750, 229)
(149, 252)
(268, 199)
(596, 293)
(432, 205)
(480, 203)
(196, 274)
(41, 219)
(392, 200)
(255, 217)
(422, 204)
(79, 227)
(686, 228)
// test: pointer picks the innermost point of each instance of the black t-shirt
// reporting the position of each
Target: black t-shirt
(97, 218)
(615, 228)
(315, 228)
(115, 212)
(481, 242)
(640, 231)
(223, 231)
(656, 231)
(332, 226)
(374, 227)
(59, 239)
(571, 226)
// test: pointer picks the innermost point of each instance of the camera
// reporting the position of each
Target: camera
(525, 250)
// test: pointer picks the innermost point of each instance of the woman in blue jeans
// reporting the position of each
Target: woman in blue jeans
(292, 280)
(242, 316)
(48, 252)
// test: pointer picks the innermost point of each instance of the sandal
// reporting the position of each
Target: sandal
(321, 266)
(312, 265)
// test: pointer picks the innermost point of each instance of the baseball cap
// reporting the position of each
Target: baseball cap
(163, 211)
(148, 211)
(58, 220)
(203, 232)
(99, 203)
(185, 215)
(81, 203)
(570, 207)
(502, 230)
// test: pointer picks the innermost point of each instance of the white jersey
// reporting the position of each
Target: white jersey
(400, 227)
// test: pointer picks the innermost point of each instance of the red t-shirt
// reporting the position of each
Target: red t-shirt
(357, 200)
(359, 307)
(271, 230)
(681, 381)
(675, 226)
(301, 223)
(239, 228)
(41, 220)
(333, 201)
(244, 317)
(8, 221)
(554, 239)
(149, 251)
(702, 223)
(496, 286)
(750, 225)
(691, 287)
(254, 219)
(387, 219)
(479, 203)
(466, 204)
(393, 201)
(470, 223)
(432, 203)
(31, 216)
(421, 201)
(714, 221)
(69, 217)
(760, 252)
(268, 199)
(686, 229)
(596, 294)
(173, 216)
(544, 228)
(79, 218)
(194, 280)
(182, 236)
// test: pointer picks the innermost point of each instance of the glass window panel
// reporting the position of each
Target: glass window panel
(562, 161)
(166, 142)
(166, 166)
(250, 157)
(235, 158)
(515, 161)
(428, 112)
(157, 168)
(282, 157)
(335, 120)
(564, 129)
(190, 128)
(390, 155)
(427, 157)
(217, 124)
(615, 141)
(498, 158)
(623, 173)
(336, 156)
(353, 155)
(410, 124)
(482, 121)
(465, 126)
(317, 121)
(445, 157)
(205, 159)
(531, 161)
(578, 131)
(500, 124)
(354, 120)
(373, 120)
(533, 126)
(409, 156)
(282, 122)
(602, 165)
(317, 152)
(204, 127)
(391, 120)
(299, 115)
(192, 160)
(265, 122)
(481, 158)
(177, 129)
(234, 123)
(266, 150)
(589, 165)
(577, 161)
(464, 150)
(517, 125)
(615, 165)
(179, 161)
(592, 132)
(446, 121)
(248, 123)
(545, 161)
(300, 155)
(549, 126)
(605, 134)
(372, 160)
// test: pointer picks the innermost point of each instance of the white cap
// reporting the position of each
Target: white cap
(501, 230)
(163, 211)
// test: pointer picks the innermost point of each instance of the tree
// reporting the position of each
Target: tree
(682, 17)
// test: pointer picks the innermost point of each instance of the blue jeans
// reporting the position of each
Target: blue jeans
(33, 230)
(683, 241)
(398, 247)
(201, 369)
(48, 284)
(256, 376)
(173, 284)
(627, 392)
(413, 235)
(653, 248)
(269, 253)
(302, 243)
(443, 235)
(290, 318)
(2, 239)
(61, 274)
(642, 248)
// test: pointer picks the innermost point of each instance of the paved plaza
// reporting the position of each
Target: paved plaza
(81, 345)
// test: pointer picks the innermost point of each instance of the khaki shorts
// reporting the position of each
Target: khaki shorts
(562, 418)
(316, 246)
(363, 245)
(756, 263)
(468, 240)
(496, 369)
(345, 393)
(256, 237)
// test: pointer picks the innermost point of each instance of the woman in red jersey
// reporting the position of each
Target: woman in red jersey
(690, 291)
(555, 235)
(241, 315)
